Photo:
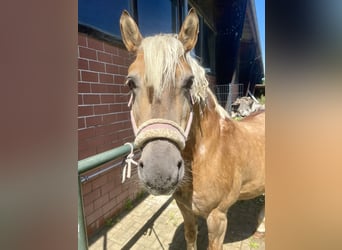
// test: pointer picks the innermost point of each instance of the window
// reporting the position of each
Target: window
(102, 15)
(155, 16)
(205, 47)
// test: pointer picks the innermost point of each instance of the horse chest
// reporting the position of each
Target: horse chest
(202, 204)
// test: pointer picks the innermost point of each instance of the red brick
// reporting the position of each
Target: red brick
(87, 53)
(123, 53)
(80, 100)
(101, 109)
(125, 133)
(88, 209)
(109, 206)
(86, 153)
(97, 66)
(94, 216)
(115, 108)
(83, 64)
(90, 197)
(83, 87)
(127, 124)
(124, 89)
(104, 57)
(118, 60)
(85, 110)
(99, 181)
(82, 40)
(91, 99)
(83, 145)
(107, 98)
(95, 141)
(123, 71)
(122, 98)
(78, 75)
(105, 147)
(86, 188)
(86, 133)
(130, 59)
(123, 195)
(81, 123)
(110, 49)
(101, 201)
(116, 191)
(94, 121)
(112, 172)
(99, 88)
(106, 78)
(124, 107)
(109, 186)
(123, 116)
(112, 69)
(88, 76)
(129, 138)
(115, 89)
(108, 129)
(110, 118)
(111, 138)
(118, 79)
(95, 44)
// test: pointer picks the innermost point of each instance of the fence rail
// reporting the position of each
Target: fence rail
(84, 166)
(227, 93)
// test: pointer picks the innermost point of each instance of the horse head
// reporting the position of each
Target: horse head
(160, 79)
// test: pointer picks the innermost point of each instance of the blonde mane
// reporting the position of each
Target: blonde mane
(162, 55)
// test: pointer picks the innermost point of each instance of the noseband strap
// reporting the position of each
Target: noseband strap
(160, 129)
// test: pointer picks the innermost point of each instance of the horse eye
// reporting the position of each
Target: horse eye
(189, 82)
(131, 83)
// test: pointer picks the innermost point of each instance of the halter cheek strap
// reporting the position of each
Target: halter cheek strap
(160, 128)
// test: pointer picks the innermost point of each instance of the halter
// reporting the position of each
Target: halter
(160, 128)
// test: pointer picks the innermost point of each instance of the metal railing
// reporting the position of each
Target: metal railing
(227, 93)
(84, 166)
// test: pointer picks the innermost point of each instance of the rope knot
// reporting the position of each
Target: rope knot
(128, 166)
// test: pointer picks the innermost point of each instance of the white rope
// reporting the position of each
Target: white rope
(128, 166)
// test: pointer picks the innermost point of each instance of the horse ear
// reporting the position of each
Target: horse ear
(189, 31)
(130, 33)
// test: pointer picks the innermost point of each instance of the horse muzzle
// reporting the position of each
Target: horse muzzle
(161, 167)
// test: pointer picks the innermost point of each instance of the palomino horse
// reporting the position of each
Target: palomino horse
(190, 147)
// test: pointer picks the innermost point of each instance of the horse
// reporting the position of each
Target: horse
(190, 147)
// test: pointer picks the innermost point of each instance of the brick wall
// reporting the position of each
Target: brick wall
(103, 115)
(103, 123)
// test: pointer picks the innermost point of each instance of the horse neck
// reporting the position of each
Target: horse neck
(208, 122)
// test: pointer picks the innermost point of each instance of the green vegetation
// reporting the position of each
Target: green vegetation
(253, 244)
(128, 204)
(262, 99)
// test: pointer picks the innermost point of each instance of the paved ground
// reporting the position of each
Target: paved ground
(156, 223)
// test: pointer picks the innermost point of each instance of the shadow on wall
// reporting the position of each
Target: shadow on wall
(242, 223)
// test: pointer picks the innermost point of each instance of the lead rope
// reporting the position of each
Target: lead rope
(129, 161)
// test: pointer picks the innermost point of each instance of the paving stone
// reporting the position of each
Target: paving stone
(167, 230)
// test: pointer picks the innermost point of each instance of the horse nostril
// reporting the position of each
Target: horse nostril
(141, 164)
(179, 164)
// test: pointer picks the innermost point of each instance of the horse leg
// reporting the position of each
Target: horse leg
(190, 226)
(217, 226)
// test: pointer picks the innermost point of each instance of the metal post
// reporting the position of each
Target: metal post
(229, 101)
(82, 234)
(84, 166)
